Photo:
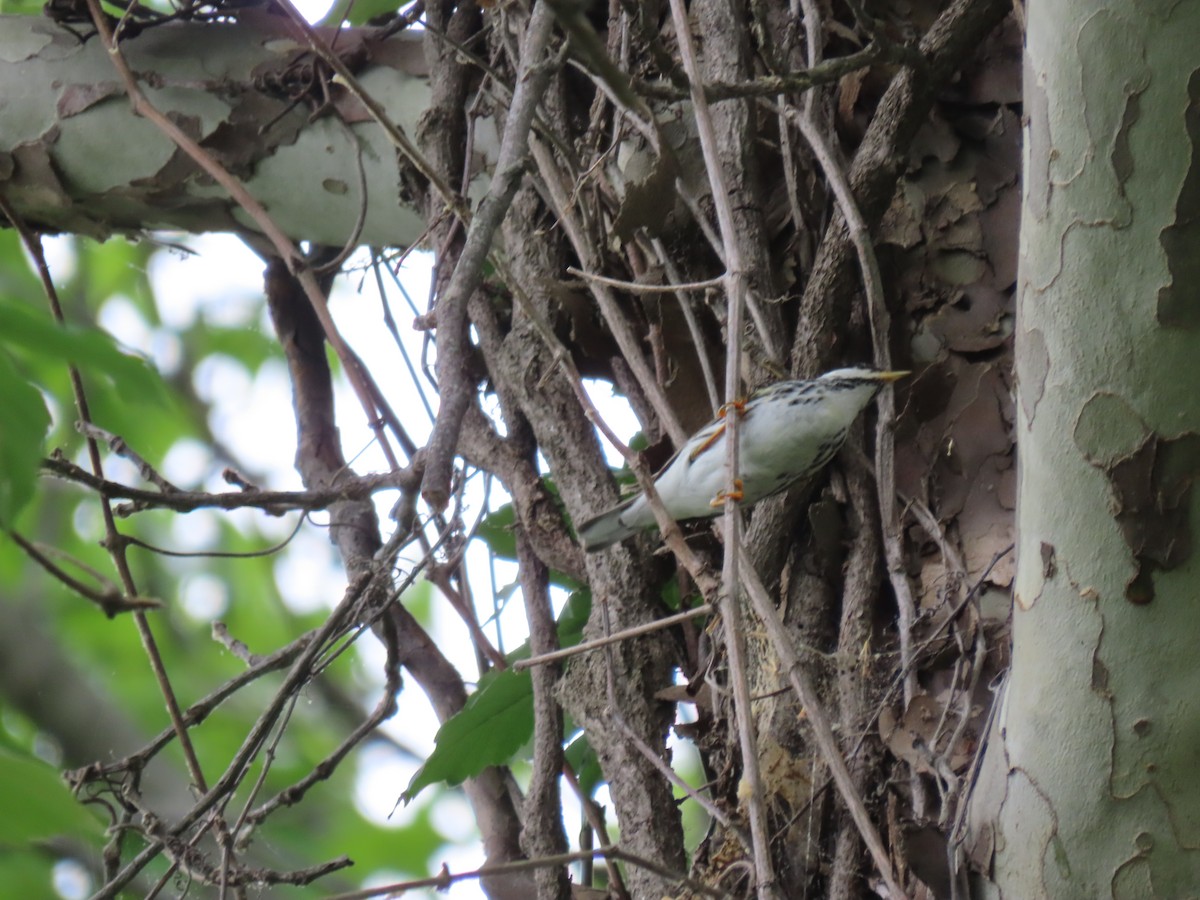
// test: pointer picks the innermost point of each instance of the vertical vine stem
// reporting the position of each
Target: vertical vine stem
(735, 290)
(823, 734)
(885, 478)
(454, 386)
(885, 448)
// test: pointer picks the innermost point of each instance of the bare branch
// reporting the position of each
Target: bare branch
(357, 487)
(533, 74)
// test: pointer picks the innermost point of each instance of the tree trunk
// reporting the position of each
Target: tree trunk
(1089, 786)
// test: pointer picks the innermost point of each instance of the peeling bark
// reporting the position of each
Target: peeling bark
(74, 158)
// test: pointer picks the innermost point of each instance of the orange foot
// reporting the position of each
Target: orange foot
(737, 494)
(739, 405)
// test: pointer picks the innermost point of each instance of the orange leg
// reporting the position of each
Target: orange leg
(740, 406)
(712, 439)
(722, 496)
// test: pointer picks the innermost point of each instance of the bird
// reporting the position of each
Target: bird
(787, 431)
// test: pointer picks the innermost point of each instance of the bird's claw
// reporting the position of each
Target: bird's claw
(736, 495)
(739, 405)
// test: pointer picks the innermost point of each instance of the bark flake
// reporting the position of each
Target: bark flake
(1108, 429)
(1151, 498)
(1033, 365)
(1037, 131)
(1049, 561)
(1179, 299)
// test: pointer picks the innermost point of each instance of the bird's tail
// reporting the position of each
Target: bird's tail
(606, 529)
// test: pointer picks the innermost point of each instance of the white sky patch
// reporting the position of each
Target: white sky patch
(313, 10)
(118, 315)
(617, 414)
(382, 775)
(72, 881)
(88, 521)
(219, 378)
(252, 416)
(59, 250)
(222, 280)
(186, 462)
(195, 532)
(452, 816)
(204, 597)
(308, 574)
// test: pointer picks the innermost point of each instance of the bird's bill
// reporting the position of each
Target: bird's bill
(889, 377)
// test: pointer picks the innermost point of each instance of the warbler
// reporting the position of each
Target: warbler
(787, 431)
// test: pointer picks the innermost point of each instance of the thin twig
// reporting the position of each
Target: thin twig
(117, 445)
(110, 599)
(884, 431)
(393, 131)
(218, 554)
(672, 776)
(543, 832)
(282, 244)
(596, 826)
(634, 287)
(693, 324)
(114, 541)
(885, 446)
(950, 556)
(446, 878)
(829, 72)
(358, 487)
(672, 536)
(298, 674)
(622, 635)
(610, 310)
(384, 710)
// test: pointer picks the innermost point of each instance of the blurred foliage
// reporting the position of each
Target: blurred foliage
(25, 423)
(44, 825)
(21, 7)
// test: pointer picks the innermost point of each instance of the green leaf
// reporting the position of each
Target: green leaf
(495, 723)
(46, 807)
(117, 266)
(363, 11)
(670, 594)
(23, 425)
(36, 336)
(496, 531)
(498, 718)
(573, 618)
(27, 872)
(248, 346)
